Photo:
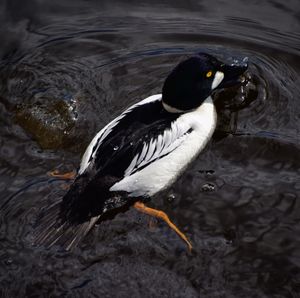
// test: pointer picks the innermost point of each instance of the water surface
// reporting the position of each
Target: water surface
(69, 67)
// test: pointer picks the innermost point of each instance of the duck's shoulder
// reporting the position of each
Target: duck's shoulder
(146, 116)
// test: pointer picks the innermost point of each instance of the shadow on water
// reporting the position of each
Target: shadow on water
(66, 69)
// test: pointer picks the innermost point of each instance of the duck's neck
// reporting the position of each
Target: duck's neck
(171, 109)
(207, 103)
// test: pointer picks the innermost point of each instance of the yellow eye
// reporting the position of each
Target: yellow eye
(209, 74)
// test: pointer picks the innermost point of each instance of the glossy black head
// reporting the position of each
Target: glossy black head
(193, 80)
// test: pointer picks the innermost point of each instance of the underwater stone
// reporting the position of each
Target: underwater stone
(49, 122)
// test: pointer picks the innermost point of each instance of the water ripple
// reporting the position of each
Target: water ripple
(70, 73)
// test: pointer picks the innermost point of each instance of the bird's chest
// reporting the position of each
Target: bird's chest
(203, 123)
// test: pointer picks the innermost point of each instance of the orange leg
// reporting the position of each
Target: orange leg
(66, 176)
(160, 214)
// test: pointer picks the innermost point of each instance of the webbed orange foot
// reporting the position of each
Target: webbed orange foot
(160, 214)
(65, 176)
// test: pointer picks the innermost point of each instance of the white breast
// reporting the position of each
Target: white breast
(161, 173)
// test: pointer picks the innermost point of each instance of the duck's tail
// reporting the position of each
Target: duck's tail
(68, 220)
(52, 229)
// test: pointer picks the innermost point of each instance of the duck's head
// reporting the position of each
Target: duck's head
(193, 80)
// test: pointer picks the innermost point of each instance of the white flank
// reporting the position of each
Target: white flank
(161, 173)
(90, 151)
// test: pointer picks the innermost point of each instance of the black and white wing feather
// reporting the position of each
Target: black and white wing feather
(158, 147)
(138, 137)
(122, 122)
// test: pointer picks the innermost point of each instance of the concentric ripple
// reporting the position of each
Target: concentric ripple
(64, 75)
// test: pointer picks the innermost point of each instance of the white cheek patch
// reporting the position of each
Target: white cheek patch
(219, 76)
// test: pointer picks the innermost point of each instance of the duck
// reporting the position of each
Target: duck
(141, 152)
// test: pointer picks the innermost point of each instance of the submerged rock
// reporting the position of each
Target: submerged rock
(50, 123)
(52, 103)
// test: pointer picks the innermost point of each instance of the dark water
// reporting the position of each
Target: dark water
(69, 67)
